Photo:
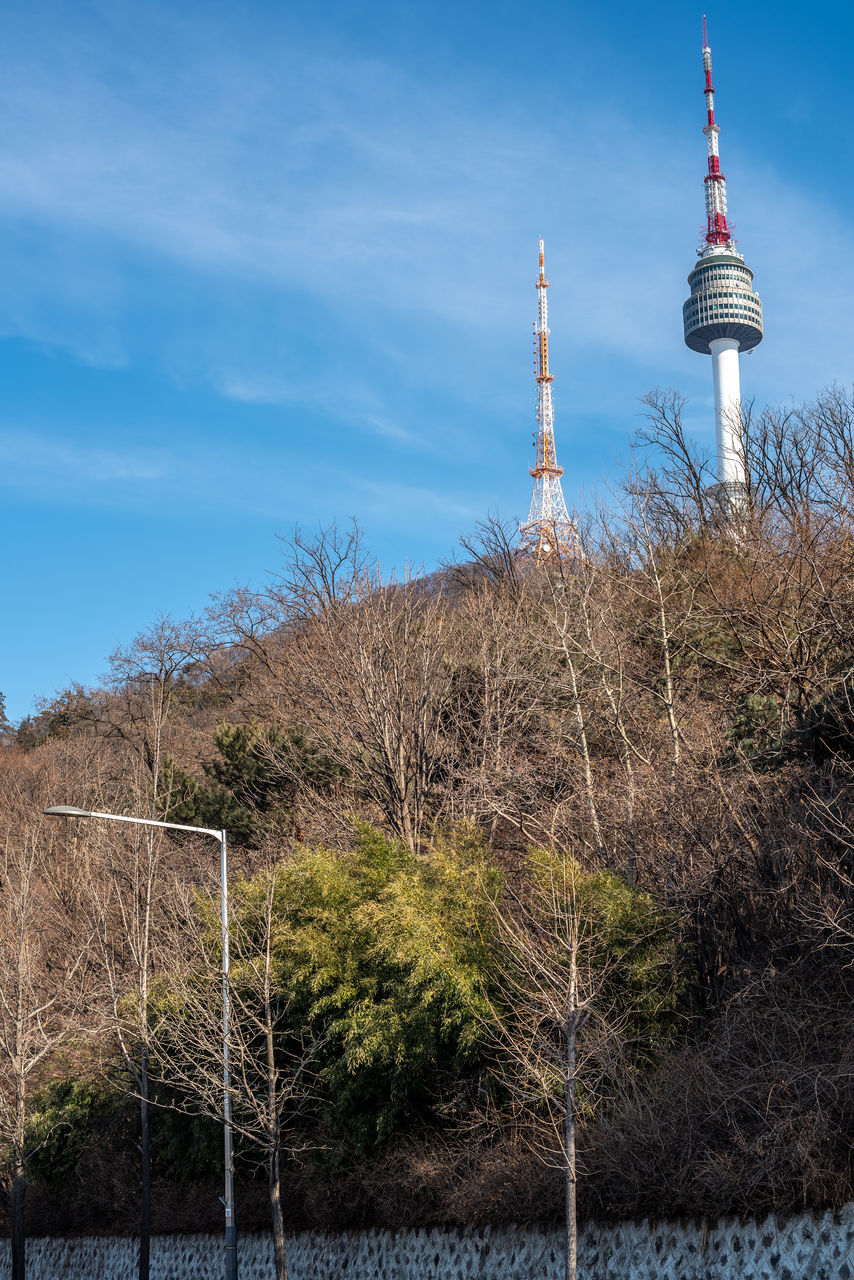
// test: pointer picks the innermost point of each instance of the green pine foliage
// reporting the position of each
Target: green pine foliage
(254, 779)
(204, 804)
(73, 1117)
(188, 1148)
(68, 1116)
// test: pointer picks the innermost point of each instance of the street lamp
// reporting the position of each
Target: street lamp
(70, 811)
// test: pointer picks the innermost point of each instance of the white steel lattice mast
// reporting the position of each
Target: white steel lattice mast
(548, 534)
(723, 315)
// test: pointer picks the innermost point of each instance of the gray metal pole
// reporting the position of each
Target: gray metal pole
(230, 1222)
(71, 811)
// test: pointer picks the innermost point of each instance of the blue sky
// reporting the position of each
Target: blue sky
(268, 263)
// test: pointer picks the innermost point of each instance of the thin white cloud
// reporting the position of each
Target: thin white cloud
(356, 404)
(388, 502)
(393, 204)
(29, 460)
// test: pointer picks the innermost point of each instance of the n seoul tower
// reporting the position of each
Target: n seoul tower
(723, 315)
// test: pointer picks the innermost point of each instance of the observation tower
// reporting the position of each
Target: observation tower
(723, 315)
(548, 535)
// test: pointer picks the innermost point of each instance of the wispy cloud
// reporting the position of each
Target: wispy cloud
(385, 503)
(358, 404)
(294, 276)
(342, 180)
(274, 190)
(29, 460)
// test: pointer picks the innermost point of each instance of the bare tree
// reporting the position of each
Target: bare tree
(493, 551)
(124, 885)
(361, 657)
(138, 718)
(270, 1061)
(495, 703)
(569, 604)
(677, 481)
(567, 1007)
(608, 647)
(44, 959)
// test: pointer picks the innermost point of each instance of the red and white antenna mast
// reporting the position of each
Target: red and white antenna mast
(548, 534)
(717, 231)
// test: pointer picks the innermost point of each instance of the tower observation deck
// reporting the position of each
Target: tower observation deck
(723, 315)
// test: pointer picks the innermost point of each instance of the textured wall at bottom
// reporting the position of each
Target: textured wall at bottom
(800, 1248)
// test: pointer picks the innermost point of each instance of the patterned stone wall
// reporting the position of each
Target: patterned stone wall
(801, 1248)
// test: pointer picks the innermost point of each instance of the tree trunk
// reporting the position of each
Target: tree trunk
(583, 746)
(276, 1215)
(145, 1153)
(19, 1194)
(274, 1132)
(571, 1223)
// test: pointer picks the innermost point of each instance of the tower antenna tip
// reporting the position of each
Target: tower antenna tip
(705, 34)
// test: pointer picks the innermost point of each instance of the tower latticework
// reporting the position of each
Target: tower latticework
(548, 534)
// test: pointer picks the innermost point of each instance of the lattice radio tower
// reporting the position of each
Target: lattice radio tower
(723, 315)
(548, 535)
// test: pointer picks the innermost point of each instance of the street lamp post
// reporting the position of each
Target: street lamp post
(69, 811)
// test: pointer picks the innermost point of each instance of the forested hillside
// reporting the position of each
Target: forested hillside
(407, 767)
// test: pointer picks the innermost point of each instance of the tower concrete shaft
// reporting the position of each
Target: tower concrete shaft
(548, 534)
(723, 315)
